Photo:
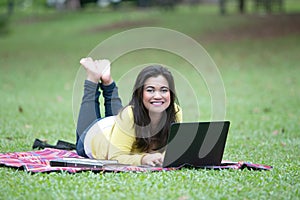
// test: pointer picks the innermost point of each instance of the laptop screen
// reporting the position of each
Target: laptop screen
(196, 144)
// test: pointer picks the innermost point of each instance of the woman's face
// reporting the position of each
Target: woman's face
(156, 94)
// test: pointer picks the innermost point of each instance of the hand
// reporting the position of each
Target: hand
(153, 159)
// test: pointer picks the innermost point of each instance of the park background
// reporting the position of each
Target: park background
(257, 54)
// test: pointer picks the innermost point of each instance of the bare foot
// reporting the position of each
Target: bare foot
(104, 65)
(92, 70)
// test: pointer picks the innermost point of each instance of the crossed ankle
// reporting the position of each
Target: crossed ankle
(107, 82)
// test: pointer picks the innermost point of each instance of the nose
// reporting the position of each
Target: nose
(157, 95)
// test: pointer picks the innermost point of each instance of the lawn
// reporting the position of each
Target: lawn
(257, 56)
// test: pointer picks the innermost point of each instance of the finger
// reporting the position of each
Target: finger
(157, 162)
(85, 60)
(82, 61)
(161, 160)
(89, 59)
(159, 157)
(151, 164)
(106, 61)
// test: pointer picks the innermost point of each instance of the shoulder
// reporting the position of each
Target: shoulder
(125, 119)
(126, 113)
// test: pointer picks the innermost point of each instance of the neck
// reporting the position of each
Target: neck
(155, 118)
(158, 120)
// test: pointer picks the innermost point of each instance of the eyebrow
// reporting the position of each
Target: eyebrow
(162, 87)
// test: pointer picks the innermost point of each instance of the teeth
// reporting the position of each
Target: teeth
(157, 103)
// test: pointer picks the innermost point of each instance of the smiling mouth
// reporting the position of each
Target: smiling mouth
(157, 103)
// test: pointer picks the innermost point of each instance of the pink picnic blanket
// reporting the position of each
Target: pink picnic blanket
(39, 161)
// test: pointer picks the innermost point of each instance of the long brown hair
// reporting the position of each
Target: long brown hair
(145, 140)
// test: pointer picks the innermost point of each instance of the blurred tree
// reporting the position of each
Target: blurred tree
(4, 18)
(222, 6)
(10, 6)
(267, 5)
(242, 6)
(73, 4)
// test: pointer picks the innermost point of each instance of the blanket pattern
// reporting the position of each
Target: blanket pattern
(39, 161)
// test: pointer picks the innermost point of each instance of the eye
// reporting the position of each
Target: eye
(150, 90)
(164, 90)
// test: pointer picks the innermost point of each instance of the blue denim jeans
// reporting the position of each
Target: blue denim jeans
(89, 112)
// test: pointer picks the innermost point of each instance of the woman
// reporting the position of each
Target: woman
(135, 134)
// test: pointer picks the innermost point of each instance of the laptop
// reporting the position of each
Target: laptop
(81, 162)
(196, 144)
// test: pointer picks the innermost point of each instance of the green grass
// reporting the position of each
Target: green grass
(38, 64)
